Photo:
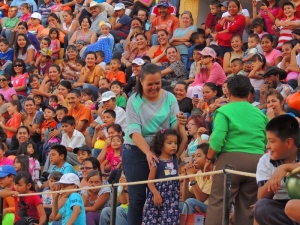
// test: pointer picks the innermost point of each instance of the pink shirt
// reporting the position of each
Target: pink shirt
(275, 11)
(8, 93)
(6, 161)
(113, 160)
(217, 76)
(272, 56)
(18, 82)
(25, 18)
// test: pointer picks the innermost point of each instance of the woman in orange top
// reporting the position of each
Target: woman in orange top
(210, 90)
(10, 128)
(90, 75)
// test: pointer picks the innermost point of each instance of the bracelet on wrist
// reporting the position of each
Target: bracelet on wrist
(208, 159)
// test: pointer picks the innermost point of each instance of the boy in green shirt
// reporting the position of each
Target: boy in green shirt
(117, 87)
(10, 22)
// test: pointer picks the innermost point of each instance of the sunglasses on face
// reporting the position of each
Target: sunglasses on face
(18, 65)
(3, 79)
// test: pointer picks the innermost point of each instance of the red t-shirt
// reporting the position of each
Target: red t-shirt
(15, 122)
(26, 207)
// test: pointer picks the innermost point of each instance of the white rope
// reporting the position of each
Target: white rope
(148, 181)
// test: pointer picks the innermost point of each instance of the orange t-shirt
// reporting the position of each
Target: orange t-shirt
(48, 124)
(120, 76)
(170, 24)
(82, 113)
(15, 122)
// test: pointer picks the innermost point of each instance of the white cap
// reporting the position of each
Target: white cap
(119, 6)
(36, 15)
(138, 61)
(69, 178)
(107, 96)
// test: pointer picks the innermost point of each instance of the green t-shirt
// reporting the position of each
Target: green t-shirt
(239, 127)
(121, 101)
(11, 22)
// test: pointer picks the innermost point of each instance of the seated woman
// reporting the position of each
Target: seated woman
(24, 49)
(185, 103)
(33, 85)
(90, 75)
(181, 37)
(210, 90)
(211, 72)
(19, 78)
(273, 56)
(8, 92)
(68, 27)
(144, 15)
(174, 70)
(84, 34)
(88, 165)
(196, 127)
(22, 135)
(68, 66)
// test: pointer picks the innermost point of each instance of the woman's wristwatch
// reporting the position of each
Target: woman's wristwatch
(193, 182)
(208, 159)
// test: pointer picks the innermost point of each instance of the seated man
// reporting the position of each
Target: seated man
(98, 14)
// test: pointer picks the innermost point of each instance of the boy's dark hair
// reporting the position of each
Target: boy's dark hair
(199, 47)
(69, 120)
(195, 35)
(104, 78)
(158, 140)
(116, 127)
(239, 86)
(215, 3)
(288, 3)
(204, 147)
(102, 90)
(24, 161)
(4, 41)
(23, 149)
(76, 92)
(111, 112)
(54, 98)
(48, 40)
(284, 127)
(38, 96)
(116, 82)
(116, 59)
(2, 146)
(55, 175)
(87, 91)
(238, 61)
(212, 100)
(146, 58)
(60, 107)
(254, 36)
(100, 53)
(31, 69)
(25, 175)
(81, 62)
(62, 150)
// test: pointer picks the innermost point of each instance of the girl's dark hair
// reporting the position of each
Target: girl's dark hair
(94, 173)
(66, 84)
(147, 70)
(30, 99)
(239, 86)
(238, 4)
(88, 19)
(70, 13)
(158, 140)
(2, 97)
(16, 103)
(55, 175)
(87, 91)
(24, 24)
(27, 6)
(23, 65)
(17, 48)
(54, 30)
(259, 22)
(23, 149)
(116, 127)
(259, 57)
(33, 76)
(95, 163)
(24, 161)
(90, 53)
(48, 40)
(268, 36)
(54, 98)
(120, 137)
(25, 175)
(53, 15)
(144, 10)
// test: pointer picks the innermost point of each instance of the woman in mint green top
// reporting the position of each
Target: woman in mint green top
(238, 139)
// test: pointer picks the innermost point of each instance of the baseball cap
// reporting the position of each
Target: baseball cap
(107, 96)
(46, 52)
(138, 61)
(7, 170)
(36, 15)
(48, 107)
(208, 51)
(119, 6)
(82, 148)
(164, 4)
(3, 108)
(224, 4)
(69, 178)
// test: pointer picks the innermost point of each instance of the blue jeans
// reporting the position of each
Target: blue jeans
(121, 216)
(45, 21)
(176, 4)
(6, 33)
(154, 40)
(136, 168)
(257, 95)
(120, 47)
(94, 90)
(223, 50)
(193, 203)
(95, 152)
(184, 60)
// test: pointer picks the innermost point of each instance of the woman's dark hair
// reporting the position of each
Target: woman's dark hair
(268, 36)
(23, 149)
(90, 53)
(144, 10)
(259, 22)
(23, 127)
(164, 31)
(70, 13)
(72, 47)
(2, 97)
(57, 67)
(25, 175)
(88, 19)
(211, 86)
(142, 34)
(16, 103)
(236, 35)
(259, 57)
(24, 161)
(199, 121)
(24, 24)
(17, 48)
(66, 84)
(95, 163)
(158, 140)
(239, 86)
(182, 83)
(23, 65)
(53, 15)
(148, 69)
(52, 30)
(216, 49)
(238, 4)
(171, 46)
(276, 4)
(94, 173)
(116, 127)
(87, 91)
(275, 93)
(30, 99)
(140, 20)
(33, 76)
